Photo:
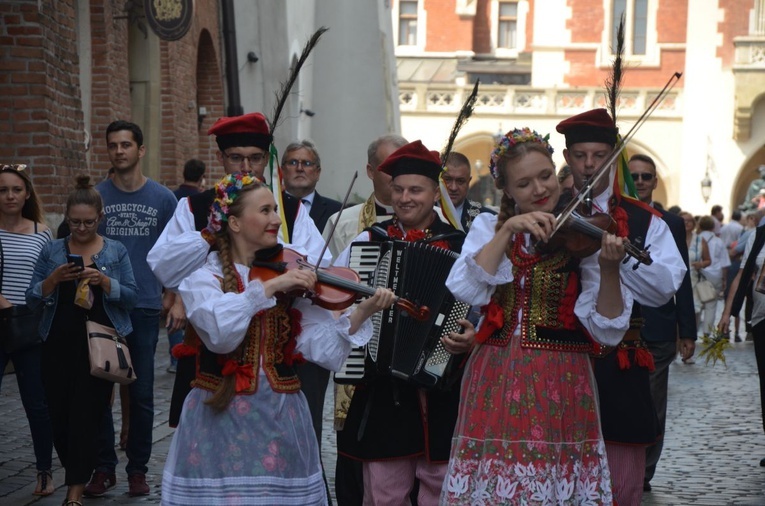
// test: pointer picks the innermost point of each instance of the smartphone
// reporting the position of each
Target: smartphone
(76, 260)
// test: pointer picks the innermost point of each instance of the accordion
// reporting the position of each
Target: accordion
(402, 346)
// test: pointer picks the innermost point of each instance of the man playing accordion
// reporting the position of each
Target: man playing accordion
(399, 431)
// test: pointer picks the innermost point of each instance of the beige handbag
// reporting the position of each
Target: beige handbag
(705, 290)
(109, 354)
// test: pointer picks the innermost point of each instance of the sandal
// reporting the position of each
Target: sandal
(44, 483)
(71, 502)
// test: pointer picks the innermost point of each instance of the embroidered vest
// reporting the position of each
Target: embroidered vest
(271, 335)
(546, 304)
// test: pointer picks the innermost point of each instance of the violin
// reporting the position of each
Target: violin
(337, 288)
(582, 235)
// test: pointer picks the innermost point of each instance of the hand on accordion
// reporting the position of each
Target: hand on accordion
(460, 343)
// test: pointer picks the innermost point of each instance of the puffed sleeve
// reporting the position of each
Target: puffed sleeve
(324, 339)
(468, 281)
(221, 319)
(608, 331)
(180, 249)
(305, 234)
(653, 285)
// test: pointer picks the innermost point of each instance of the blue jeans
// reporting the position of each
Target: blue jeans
(174, 338)
(28, 374)
(142, 343)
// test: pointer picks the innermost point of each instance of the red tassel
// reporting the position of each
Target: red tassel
(623, 358)
(493, 321)
(620, 217)
(643, 358)
(244, 374)
(183, 350)
(295, 317)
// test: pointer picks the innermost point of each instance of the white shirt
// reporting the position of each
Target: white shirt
(181, 250)
(222, 319)
(471, 284)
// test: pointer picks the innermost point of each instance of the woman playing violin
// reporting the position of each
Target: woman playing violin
(528, 418)
(245, 430)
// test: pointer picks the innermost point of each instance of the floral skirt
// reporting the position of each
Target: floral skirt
(528, 431)
(261, 450)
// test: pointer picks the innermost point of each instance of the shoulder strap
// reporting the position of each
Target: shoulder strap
(748, 270)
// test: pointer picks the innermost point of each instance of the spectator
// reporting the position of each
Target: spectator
(77, 400)
(136, 210)
(23, 234)
(193, 179)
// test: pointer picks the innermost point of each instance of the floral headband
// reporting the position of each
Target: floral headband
(513, 138)
(226, 192)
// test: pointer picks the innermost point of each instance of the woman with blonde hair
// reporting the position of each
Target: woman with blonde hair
(245, 432)
(528, 418)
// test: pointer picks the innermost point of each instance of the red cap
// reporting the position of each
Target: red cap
(412, 158)
(591, 126)
(245, 130)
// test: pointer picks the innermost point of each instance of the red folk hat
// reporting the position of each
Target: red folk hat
(591, 126)
(245, 130)
(412, 158)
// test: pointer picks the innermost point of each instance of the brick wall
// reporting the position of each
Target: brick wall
(41, 116)
(447, 31)
(586, 26)
(41, 122)
(734, 24)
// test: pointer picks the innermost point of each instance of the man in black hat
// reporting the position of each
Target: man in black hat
(627, 413)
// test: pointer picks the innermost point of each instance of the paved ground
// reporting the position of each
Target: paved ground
(714, 443)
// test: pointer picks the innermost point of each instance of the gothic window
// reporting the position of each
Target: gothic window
(407, 22)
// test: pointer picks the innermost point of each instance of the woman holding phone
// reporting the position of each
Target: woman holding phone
(76, 399)
(22, 236)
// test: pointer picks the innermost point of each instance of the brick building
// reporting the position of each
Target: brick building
(70, 67)
(540, 61)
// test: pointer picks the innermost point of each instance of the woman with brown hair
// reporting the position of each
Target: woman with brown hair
(76, 399)
(23, 234)
(245, 430)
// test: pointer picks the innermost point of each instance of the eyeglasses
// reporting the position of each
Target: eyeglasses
(256, 159)
(645, 176)
(77, 223)
(18, 167)
(307, 164)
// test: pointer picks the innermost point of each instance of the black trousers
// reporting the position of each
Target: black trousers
(76, 402)
(758, 332)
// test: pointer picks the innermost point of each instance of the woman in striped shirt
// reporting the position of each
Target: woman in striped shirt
(22, 236)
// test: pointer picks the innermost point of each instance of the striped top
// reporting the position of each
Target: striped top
(19, 255)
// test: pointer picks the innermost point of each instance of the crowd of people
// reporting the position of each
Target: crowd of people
(558, 389)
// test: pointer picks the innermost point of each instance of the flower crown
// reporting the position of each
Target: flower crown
(513, 138)
(226, 192)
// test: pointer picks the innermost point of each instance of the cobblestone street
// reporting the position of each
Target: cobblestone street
(711, 456)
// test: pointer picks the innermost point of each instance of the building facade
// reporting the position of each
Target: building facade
(540, 61)
(70, 67)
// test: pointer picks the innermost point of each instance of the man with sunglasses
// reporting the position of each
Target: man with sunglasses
(627, 413)
(669, 325)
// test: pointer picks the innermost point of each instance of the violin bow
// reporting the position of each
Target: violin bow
(337, 220)
(603, 169)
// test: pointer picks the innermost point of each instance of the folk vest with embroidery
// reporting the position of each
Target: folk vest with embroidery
(271, 335)
(544, 291)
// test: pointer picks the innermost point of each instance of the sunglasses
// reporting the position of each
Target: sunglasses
(20, 167)
(645, 176)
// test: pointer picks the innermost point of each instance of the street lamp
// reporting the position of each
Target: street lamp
(498, 136)
(706, 187)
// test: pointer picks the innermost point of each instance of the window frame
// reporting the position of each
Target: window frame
(521, 16)
(419, 46)
(652, 55)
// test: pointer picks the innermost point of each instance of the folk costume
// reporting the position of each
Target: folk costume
(628, 415)
(261, 448)
(528, 430)
(181, 248)
(397, 430)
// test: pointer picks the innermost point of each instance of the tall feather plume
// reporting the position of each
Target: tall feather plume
(614, 81)
(464, 115)
(284, 91)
